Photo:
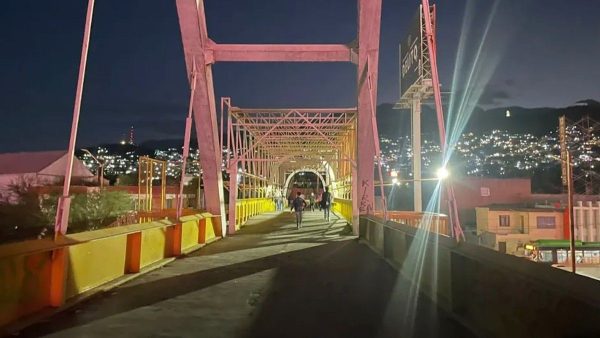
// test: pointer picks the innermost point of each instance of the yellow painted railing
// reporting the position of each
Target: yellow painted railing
(38, 274)
(248, 207)
(344, 208)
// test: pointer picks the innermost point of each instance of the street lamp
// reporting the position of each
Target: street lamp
(442, 173)
(100, 167)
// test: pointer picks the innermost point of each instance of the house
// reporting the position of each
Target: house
(507, 228)
(40, 168)
(473, 192)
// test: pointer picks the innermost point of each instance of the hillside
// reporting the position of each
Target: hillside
(538, 121)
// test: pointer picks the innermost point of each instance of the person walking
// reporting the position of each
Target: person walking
(279, 200)
(311, 200)
(326, 203)
(298, 205)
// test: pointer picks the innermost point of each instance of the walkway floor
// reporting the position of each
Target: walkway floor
(269, 280)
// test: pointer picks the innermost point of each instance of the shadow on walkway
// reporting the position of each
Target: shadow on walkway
(308, 283)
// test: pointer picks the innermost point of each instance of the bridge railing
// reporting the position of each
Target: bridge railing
(493, 294)
(433, 222)
(344, 208)
(248, 207)
(38, 274)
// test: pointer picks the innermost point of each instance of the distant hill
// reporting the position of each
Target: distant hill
(537, 121)
(168, 143)
(393, 123)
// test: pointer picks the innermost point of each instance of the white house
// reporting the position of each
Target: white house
(38, 169)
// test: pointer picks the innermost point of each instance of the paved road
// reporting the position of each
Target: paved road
(269, 280)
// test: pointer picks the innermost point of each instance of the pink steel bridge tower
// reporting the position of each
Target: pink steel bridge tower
(201, 53)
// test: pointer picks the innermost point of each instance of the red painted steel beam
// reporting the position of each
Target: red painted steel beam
(195, 40)
(369, 22)
(281, 53)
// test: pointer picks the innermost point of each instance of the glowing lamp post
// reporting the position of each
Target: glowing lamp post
(442, 173)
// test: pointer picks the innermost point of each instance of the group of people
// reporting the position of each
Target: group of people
(299, 203)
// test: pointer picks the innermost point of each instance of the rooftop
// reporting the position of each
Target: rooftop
(28, 162)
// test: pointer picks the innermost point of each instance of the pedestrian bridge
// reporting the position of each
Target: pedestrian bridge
(271, 280)
(246, 271)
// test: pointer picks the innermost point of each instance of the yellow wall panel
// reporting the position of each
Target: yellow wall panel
(94, 263)
(189, 233)
(154, 244)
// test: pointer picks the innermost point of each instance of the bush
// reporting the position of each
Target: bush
(93, 210)
(29, 215)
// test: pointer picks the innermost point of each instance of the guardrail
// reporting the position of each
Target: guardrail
(493, 294)
(40, 274)
(344, 208)
(437, 223)
(248, 207)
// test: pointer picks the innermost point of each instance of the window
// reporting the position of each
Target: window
(504, 220)
(485, 191)
(546, 222)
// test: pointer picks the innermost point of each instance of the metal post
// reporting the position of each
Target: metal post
(62, 212)
(233, 194)
(416, 147)
(186, 143)
(570, 210)
(431, 44)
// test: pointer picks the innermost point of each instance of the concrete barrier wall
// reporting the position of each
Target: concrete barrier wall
(39, 274)
(494, 294)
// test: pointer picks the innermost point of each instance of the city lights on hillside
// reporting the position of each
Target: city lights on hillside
(495, 154)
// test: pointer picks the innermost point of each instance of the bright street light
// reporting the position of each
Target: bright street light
(442, 173)
(394, 180)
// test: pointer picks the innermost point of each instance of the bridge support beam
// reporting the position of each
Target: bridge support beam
(369, 19)
(416, 148)
(195, 39)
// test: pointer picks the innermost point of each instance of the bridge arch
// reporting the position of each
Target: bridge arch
(288, 180)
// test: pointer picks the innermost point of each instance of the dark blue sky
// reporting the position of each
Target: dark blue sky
(548, 51)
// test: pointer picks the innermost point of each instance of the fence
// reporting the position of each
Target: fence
(248, 207)
(437, 223)
(344, 208)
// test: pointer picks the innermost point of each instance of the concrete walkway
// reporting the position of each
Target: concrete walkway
(269, 280)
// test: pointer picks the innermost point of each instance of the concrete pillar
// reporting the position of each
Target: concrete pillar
(416, 147)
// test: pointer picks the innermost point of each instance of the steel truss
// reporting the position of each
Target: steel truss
(261, 145)
(203, 52)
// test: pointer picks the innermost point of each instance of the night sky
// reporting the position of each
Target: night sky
(549, 50)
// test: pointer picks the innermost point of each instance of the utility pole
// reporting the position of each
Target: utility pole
(64, 202)
(570, 210)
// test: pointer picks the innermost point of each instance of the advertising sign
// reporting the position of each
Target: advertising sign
(411, 55)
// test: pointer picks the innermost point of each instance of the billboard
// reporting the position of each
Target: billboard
(411, 52)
